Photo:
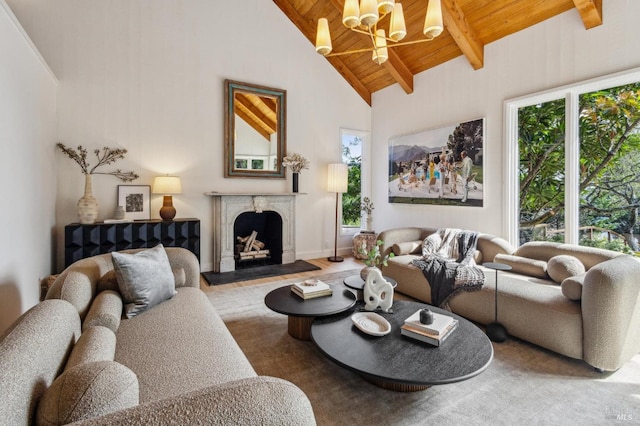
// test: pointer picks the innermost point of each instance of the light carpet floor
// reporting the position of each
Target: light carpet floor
(524, 385)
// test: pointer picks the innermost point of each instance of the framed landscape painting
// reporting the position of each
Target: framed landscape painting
(136, 200)
(442, 166)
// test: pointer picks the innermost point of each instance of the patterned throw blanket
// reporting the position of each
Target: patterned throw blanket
(447, 263)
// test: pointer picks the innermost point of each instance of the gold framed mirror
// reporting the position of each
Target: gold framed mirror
(254, 130)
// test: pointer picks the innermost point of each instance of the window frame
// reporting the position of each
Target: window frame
(571, 93)
(365, 183)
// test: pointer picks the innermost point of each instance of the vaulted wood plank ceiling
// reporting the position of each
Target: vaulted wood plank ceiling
(469, 25)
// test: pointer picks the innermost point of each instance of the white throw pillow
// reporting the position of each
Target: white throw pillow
(144, 279)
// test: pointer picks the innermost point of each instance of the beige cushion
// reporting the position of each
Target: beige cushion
(523, 265)
(88, 390)
(572, 286)
(106, 310)
(109, 281)
(144, 279)
(409, 247)
(477, 257)
(95, 344)
(564, 266)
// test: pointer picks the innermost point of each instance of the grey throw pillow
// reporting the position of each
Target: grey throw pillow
(144, 279)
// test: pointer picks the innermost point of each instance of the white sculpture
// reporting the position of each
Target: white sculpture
(378, 293)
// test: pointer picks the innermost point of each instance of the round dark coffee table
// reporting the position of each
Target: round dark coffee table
(401, 363)
(302, 312)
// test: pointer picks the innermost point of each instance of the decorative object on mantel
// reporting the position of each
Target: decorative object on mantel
(367, 207)
(337, 181)
(119, 214)
(167, 185)
(378, 292)
(373, 258)
(87, 204)
(296, 163)
(136, 201)
(364, 19)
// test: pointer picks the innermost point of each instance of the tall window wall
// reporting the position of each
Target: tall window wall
(573, 156)
(354, 154)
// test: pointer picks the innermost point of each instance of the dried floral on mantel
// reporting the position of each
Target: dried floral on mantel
(105, 157)
(295, 162)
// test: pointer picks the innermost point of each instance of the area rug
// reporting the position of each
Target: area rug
(256, 272)
(524, 384)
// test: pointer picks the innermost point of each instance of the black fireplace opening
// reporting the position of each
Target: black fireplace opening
(265, 228)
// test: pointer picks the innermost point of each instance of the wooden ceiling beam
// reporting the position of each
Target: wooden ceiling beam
(394, 65)
(399, 71)
(308, 29)
(464, 35)
(590, 12)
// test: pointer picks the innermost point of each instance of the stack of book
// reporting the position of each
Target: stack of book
(311, 289)
(435, 333)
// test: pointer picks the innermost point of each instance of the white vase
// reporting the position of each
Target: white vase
(369, 223)
(87, 205)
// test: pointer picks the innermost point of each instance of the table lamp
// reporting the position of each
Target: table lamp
(337, 181)
(167, 185)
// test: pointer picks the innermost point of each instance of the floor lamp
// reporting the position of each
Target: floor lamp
(337, 182)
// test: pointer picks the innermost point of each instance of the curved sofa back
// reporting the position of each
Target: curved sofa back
(79, 283)
(545, 250)
(488, 245)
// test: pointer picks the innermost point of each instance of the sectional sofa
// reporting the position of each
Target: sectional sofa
(73, 358)
(578, 301)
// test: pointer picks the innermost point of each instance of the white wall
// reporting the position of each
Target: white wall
(553, 53)
(148, 75)
(27, 169)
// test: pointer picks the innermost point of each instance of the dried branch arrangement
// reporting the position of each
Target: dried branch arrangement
(105, 156)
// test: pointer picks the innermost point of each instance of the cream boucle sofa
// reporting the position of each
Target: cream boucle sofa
(600, 323)
(189, 369)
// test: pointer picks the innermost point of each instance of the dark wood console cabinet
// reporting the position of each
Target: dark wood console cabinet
(82, 241)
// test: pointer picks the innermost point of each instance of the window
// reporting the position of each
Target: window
(354, 151)
(572, 159)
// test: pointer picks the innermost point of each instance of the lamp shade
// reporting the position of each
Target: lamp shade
(380, 53)
(433, 25)
(369, 13)
(351, 14)
(385, 6)
(167, 185)
(323, 37)
(338, 177)
(397, 29)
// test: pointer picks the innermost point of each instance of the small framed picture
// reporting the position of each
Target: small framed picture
(136, 200)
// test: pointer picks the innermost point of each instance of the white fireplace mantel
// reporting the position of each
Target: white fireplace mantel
(228, 206)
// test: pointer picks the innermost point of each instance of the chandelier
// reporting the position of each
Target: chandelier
(364, 18)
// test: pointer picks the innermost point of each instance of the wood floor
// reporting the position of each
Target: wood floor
(327, 267)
